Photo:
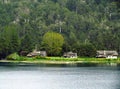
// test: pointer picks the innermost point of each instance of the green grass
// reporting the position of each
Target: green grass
(85, 60)
(64, 60)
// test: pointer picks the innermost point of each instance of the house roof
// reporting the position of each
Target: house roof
(107, 52)
(70, 53)
(36, 53)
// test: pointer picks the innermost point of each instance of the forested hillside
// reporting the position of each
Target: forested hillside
(84, 24)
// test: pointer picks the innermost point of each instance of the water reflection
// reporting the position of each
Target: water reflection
(33, 77)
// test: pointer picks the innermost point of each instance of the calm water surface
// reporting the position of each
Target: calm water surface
(59, 77)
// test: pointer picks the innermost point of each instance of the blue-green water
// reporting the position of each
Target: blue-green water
(59, 77)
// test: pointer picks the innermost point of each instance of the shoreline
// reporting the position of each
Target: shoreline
(57, 63)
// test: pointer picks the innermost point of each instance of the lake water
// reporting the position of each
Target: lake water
(31, 77)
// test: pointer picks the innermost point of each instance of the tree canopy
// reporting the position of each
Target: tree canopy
(52, 43)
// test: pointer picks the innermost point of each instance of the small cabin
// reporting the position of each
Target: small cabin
(107, 54)
(70, 55)
(37, 53)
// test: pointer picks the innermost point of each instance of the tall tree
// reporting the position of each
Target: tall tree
(53, 43)
(9, 40)
(86, 50)
(27, 43)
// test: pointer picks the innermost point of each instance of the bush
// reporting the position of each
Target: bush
(13, 56)
(40, 57)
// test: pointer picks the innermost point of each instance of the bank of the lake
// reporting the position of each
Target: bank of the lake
(60, 61)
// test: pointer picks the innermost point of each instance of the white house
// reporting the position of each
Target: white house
(107, 54)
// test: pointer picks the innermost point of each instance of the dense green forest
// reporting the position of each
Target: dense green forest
(85, 25)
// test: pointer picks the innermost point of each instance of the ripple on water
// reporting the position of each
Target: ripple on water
(59, 78)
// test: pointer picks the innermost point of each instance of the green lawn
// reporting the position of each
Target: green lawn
(83, 59)
(57, 60)
(62, 59)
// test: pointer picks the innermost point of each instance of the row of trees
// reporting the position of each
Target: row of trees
(83, 24)
(52, 42)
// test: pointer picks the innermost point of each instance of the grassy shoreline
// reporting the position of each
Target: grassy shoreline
(61, 60)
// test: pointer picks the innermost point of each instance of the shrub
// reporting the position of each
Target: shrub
(40, 57)
(13, 56)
